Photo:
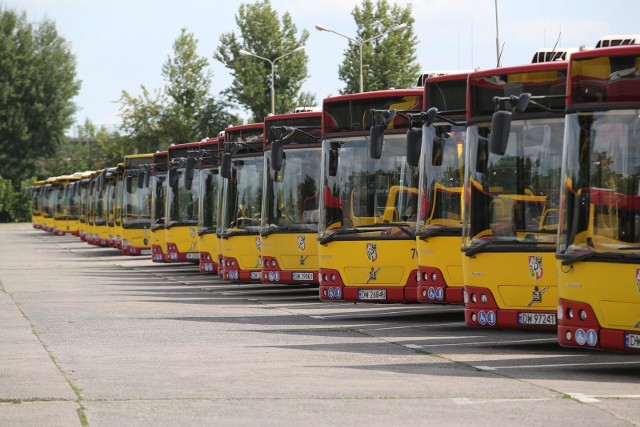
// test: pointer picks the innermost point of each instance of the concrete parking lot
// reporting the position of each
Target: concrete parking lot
(90, 337)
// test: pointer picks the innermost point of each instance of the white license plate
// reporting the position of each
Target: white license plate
(145, 252)
(302, 276)
(193, 255)
(537, 319)
(632, 340)
(372, 294)
(255, 275)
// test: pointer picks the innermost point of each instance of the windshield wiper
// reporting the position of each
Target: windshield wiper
(269, 230)
(439, 231)
(232, 233)
(576, 258)
(480, 246)
(339, 232)
(403, 226)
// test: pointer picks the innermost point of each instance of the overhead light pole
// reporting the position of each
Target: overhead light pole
(273, 70)
(359, 43)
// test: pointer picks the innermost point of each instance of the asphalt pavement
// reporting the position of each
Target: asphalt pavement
(93, 338)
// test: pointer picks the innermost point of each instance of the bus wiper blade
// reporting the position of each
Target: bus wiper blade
(581, 257)
(233, 233)
(269, 230)
(439, 231)
(480, 246)
(339, 232)
(629, 248)
(403, 226)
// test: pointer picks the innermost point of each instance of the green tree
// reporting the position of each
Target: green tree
(184, 111)
(37, 85)
(388, 61)
(262, 34)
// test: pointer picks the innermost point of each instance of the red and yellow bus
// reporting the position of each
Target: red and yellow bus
(512, 176)
(368, 198)
(158, 188)
(183, 199)
(36, 194)
(598, 256)
(136, 205)
(439, 228)
(242, 167)
(289, 226)
(114, 207)
(207, 167)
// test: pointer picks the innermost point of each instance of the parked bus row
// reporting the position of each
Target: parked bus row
(514, 191)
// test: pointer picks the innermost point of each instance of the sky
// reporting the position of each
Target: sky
(122, 44)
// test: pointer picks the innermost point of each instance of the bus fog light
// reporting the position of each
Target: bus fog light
(568, 335)
(583, 315)
(434, 277)
(473, 317)
(333, 277)
(425, 276)
(324, 292)
(474, 299)
(569, 313)
(424, 293)
(273, 263)
(324, 277)
(483, 298)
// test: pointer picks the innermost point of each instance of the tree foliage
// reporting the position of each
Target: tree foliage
(37, 85)
(388, 61)
(183, 111)
(262, 34)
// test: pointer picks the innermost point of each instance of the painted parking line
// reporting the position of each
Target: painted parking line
(541, 340)
(555, 365)
(467, 401)
(426, 325)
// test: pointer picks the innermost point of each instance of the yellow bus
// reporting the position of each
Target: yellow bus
(182, 199)
(136, 205)
(241, 166)
(512, 176)
(114, 206)
(158, 186)
(598, 256)
(368, 198)
(208, 167)
(66, 214)
(37, 196)
(82, 194)
(49, 197)
(289, 220)
(441, 164)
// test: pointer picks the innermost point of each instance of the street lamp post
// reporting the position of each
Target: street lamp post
(273, 69)
(359, 43)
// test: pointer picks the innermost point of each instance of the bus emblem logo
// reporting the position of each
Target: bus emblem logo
(373, 274)
(535, 267)
(372, 252)
(301, 242)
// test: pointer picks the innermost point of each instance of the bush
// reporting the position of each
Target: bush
(15, 206)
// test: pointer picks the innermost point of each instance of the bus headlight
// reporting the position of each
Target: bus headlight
(583, 315)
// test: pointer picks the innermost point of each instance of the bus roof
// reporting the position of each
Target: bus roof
(608, 76)
(540, 79)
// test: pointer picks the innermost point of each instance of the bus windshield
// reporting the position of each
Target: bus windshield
(157, 187)
(362, 192)
(514, 197)
(208, 219)
(441, 177)
(243, 194)
(291, 201)
(183, 204)
(137, 205)
(601, 191)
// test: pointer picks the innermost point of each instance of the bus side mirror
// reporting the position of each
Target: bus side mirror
(225, 165)
(277, 154)
(128, 183)
(500, 128)
(173, 177)
(333, 162)
(414, 146)
(189, 172)
(142, 179)
(376, 139)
